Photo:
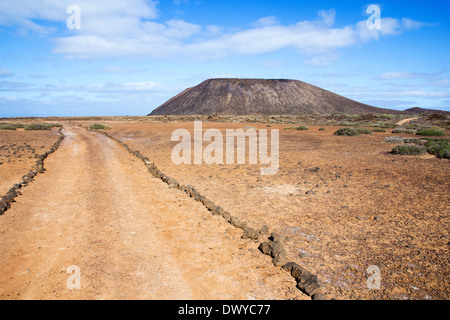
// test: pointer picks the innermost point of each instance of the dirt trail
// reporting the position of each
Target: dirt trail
(405, 121)
(97, 207)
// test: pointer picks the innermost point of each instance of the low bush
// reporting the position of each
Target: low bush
(404, 130)
(432, 132)
(438, 147)
(301, 128)
(349, 124)
(363, 131)
(350, 132)
(409, 149)
(379, 130)
(393, 140)
(36, 127)
(321, 129)
(52, 125)
(11, 126)
(99, 126)
(7, 126)
(414, 141)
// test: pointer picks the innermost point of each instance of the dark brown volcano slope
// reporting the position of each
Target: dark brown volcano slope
(257, 96)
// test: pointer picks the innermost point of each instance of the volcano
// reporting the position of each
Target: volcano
(261, 96)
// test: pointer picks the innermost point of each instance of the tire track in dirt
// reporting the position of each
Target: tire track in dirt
(131, 236)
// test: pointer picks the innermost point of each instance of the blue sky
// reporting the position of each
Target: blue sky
(129, 57)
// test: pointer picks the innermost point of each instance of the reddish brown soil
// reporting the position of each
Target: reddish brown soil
(363, 207)
(17, 153)
(132, 237)
(96, 207)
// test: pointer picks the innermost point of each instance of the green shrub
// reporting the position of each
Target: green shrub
(414, 141)
(388, 125)
(36, 127)
(432, 132)
(11, 126)
(349, 124)
(363, 131)
(404, 130)
(52, 125)
(409, 149)
(301, 128)
(438, 147)
(99, 126)
(7, 126)
(347, 132)
(393, 140)
(379, 130)
(321, 129)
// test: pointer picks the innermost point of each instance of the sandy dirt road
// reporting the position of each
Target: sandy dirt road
(131, 237)
(405, 121)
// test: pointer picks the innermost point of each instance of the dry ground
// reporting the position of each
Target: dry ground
(362, 207)
(97, 208)
(345, 203)
(17, 153)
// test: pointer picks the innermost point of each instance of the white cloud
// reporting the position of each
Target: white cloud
(266, 22)
(411, 24)
(112, 70)
(128, 29)
(5, 73)
(109, 87)
(410, 75)
(322, 60)
(100, 17)
(328, 16)
(397, 75)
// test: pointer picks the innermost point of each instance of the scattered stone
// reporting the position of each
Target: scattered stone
(209, 204)
(250, 233)
(306, 282)
(276, 250)
(238, 223)
(218, 211)
(275, 237)
(264, 230)
(266, 248)
(279, 254)
(304, 255)
(227, 216)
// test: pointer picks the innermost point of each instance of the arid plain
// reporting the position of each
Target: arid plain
(344, 204)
